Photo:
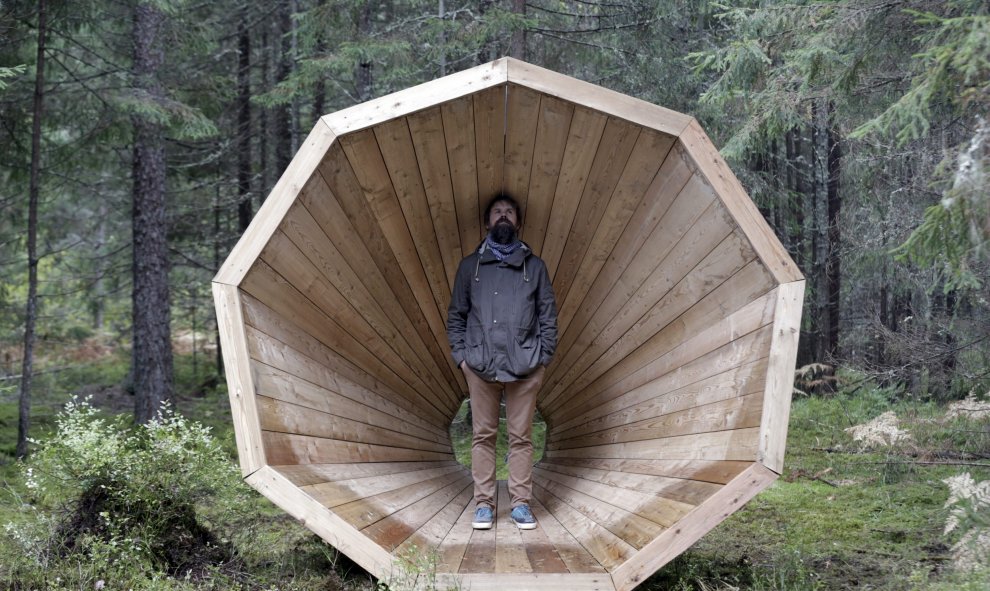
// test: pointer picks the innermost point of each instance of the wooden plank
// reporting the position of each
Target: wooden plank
(458, 131)
(739, 445)
(672, 348)
(618, 141)
(430, 536)
(521, 123)
(489, 134)
(292, 265)
(583, 138)
(479, 555)
(510, 551)
(595, 97)
(630, 527)
(269, 216)
(281, 385)
(607, 548)
(540, 551)
(575, 558)
(339, 492)
(308, 474)
(240, 382)
(665, 395)
(548, 154)
(285, 417)
(745, 286)
(418, 97)
(365, 156)
(606, 300)
(368, 510)
(300, 354)
(451, 550)
(288, 304)
(336, 171)
(521, 581)
(309, 238)
(691, 527)
(684, 236)
(734, 413)
(725, 356)
(426, 128)
(399, 154)
(667, 185)
(644, 162)
(394, 298)
(660, 307)
(714, 471)
(321, 521)
(691, 492)
(741, 207)
(284, 448)
(393, 530)
(619, 509)
(780, 375)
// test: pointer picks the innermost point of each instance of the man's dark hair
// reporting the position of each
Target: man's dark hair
(508, 199)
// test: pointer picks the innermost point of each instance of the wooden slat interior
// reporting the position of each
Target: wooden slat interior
(653, 401)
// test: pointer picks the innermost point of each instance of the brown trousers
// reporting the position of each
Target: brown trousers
(520, 403)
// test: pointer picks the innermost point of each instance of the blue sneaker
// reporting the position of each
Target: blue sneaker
(523, 517)
(482, 518)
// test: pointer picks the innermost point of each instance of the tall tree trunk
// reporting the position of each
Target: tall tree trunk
(320, 93)
(264, 126)
(152, 357)
(363, 81)
(283, 115)
(833, 262)
(218, 361)
(244, 206)
(31, 317)
(442, 15)
(517, 46)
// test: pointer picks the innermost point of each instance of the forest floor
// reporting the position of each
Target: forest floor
(845, 514)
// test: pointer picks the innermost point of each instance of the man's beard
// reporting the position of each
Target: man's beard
(503, 232)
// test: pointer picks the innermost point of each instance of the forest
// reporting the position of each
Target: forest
(139, 139)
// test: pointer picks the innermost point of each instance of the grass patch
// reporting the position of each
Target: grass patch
(842, 515)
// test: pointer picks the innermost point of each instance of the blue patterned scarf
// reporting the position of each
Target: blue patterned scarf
(502, 251)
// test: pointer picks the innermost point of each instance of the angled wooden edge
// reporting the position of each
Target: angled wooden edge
(780, 375)
(273, 210)
(240, 382)
(321, 521)
(598, 98)
(702, 519)
(526, 581)
(417, 98)
(742, 209)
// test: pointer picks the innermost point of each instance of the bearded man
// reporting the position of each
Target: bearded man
(502, 328)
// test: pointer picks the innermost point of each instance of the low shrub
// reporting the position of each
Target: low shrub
(130, 504)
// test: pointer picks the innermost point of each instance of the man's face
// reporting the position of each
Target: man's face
(503, 212)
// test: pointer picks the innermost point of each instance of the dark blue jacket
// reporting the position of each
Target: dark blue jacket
(502, 317)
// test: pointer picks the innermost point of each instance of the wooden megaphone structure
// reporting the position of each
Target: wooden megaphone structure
(666, 404)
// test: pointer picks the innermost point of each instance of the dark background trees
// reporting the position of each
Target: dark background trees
(858, 127)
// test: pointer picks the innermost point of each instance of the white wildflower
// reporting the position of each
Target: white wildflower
(882, 431)
(969, 408)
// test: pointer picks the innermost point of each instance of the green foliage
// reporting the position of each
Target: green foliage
(417, 572)
(130, 503)
(954, 72)
(10, 72)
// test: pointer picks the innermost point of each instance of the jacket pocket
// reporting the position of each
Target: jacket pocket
(524, 352)
(474, 351)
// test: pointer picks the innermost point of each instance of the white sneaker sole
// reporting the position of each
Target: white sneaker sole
(481, 525)
(525, 525)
